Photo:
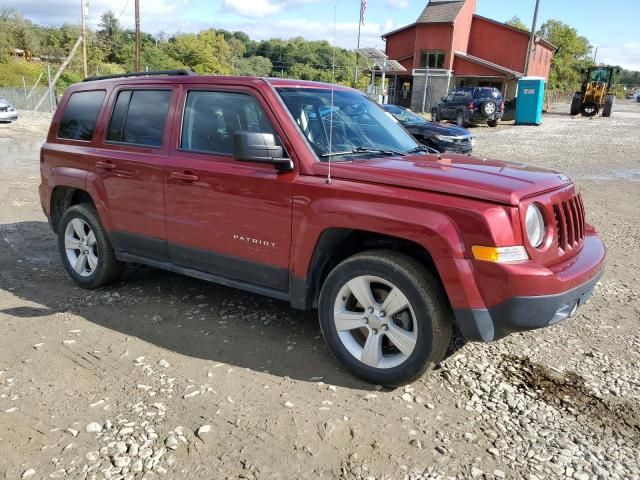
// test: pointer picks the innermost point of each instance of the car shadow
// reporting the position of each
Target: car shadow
(181, 314)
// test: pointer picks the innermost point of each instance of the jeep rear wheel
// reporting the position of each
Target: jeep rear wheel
(384, 317)
(85, 250)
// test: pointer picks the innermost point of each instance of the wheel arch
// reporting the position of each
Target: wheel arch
(63, 197)
(337, 244)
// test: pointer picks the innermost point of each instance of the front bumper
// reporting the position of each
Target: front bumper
(456, 147)
(528, 297)
(522, 313)
(8, 116)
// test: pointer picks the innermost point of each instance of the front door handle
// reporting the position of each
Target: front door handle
(106, 165)
(184, 176)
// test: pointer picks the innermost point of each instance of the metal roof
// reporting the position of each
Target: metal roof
(488, 64)
(441, 11)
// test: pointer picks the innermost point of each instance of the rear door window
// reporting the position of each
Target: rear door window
(81, 115)
(139, 117)
(486, 93)
(212, 118)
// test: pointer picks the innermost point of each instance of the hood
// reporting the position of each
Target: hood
(493, 180)
(435, 128)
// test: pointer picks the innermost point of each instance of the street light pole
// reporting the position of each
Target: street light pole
(532, 37)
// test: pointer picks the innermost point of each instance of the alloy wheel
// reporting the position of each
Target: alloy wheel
(375, 322)
(81, 247)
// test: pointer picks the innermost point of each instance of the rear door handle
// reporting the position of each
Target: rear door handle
(184, 176)
(106, 165)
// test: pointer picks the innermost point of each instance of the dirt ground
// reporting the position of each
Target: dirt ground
(163, 376)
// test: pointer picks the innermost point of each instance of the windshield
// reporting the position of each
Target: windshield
(360, 127)
(405, 116)
(600, 75)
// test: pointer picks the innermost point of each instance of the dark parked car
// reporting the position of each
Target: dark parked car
(467, 105)
(440, 137)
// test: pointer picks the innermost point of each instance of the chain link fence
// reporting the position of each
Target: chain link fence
(17, 97)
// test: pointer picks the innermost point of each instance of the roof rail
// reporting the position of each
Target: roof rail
(152, 73)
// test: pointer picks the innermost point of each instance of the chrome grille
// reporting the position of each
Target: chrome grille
(569, 215)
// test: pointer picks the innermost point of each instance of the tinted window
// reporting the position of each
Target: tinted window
(487, 93)
(81, 115)
(139, 117)
(212, 118)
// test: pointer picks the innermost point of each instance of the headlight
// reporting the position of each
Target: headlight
(534, 223)
(446, 138)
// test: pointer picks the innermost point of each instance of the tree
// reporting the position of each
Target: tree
(254, 66)
(111, 37)
(572, 55)
(517, 23)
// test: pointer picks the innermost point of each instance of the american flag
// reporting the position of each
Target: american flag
(363, 7)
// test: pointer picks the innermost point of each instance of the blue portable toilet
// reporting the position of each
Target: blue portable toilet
(530, 101)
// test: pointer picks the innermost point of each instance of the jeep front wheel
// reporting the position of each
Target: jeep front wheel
(385, 317)
(86, 252)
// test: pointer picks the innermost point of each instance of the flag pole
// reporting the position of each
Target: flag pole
(355, 81)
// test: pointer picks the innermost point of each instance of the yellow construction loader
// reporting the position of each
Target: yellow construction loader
(596, 94)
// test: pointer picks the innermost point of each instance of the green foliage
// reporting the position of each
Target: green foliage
(572, 55)
(517, 23)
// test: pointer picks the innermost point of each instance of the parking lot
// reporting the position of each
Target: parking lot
(185, 379)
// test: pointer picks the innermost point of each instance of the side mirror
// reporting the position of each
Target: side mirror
(261, 148)
(443, 99)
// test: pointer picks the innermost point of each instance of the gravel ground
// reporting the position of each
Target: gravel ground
(163, 376)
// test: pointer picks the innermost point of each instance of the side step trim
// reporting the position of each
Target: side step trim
(208, 277)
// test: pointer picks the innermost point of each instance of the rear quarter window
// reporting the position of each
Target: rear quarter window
(81, 115)
(490, 93)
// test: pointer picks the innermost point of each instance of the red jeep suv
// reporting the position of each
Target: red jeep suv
(312, 194)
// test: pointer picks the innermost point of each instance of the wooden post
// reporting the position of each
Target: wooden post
(532, 37)
(83, 10)
(137, 35)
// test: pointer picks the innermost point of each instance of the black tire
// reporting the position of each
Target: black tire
(433, 316)
(434, 115)
(576, 102)
(108, 268)
(488, 108)
(493, 123)
(608, 105)
(589, 109)
(460, 121)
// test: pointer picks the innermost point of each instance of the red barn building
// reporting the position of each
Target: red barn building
(451, 46)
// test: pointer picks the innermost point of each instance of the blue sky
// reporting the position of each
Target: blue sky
(615, 30)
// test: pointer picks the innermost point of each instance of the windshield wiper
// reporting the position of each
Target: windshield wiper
(422, 148)
(364, 150)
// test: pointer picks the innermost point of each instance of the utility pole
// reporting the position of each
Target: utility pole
(532, 37)
(83, 15)
(137, 35)
(595, 55)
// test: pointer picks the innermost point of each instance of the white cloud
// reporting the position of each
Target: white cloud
(252, 8)
(398, 3)
(626, 55)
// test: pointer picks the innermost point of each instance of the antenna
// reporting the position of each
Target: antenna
(333, 82)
